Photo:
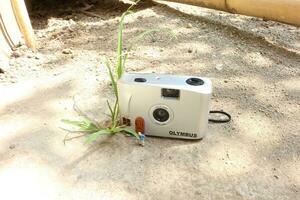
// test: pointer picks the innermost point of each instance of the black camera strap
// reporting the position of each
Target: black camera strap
(220, 120)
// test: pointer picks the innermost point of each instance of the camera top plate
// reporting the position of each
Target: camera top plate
(191, 83)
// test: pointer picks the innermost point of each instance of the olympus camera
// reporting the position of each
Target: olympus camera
(170, 106)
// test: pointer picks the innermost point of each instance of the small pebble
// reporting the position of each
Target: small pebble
(1, 71)
(15, 54)
(219, 67)
(67, 51)
(78, 177)
(29, 56)
(12, 146)
(190, 51)
(189, 25)
(37, 56)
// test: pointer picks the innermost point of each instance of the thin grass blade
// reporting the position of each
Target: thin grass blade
(110, 110)
(85, 126)
(79, 124)
(120, 67)
(116, 113)
(113, 81)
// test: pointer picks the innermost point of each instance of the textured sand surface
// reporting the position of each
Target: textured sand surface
(254, 66)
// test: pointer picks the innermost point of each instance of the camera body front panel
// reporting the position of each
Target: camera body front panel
(171, 106)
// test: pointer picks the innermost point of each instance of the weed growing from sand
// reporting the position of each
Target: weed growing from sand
(86, 125)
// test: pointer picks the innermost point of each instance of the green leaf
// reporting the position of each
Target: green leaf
(120, 67)
(115, 110)
(113, 81)
(79, 124)
(110, 110)
(85, 125)
(116, 113)
(132, 5)
(132, 132)
(118, 129)
(89, 124)
(92, 128)
(127, 130)
(92, 137)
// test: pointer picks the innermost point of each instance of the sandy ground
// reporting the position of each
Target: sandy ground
(254, 66)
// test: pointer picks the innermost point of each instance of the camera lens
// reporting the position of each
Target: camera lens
(195, 81)
(161, 114)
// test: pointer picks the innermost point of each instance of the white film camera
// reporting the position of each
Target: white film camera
(171, 106)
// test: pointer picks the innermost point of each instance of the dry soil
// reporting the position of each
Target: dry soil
(254, 65)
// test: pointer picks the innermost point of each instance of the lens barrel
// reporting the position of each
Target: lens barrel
(161, 114)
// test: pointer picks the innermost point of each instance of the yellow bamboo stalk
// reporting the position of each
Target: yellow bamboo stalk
(286, 11)
(23, 21)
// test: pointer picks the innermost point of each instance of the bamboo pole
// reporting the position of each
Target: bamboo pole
(23, 20)
(286, 11)
(8, 24)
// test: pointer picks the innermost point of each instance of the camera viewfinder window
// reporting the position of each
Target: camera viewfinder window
(170, 93)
